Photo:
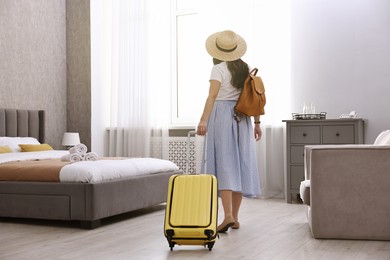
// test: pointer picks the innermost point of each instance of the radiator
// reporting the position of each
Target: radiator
(175, 150)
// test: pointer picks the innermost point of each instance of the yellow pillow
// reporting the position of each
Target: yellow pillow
(5, 149)
(34, 147)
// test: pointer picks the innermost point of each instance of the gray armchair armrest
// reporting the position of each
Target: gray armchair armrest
(310, 148)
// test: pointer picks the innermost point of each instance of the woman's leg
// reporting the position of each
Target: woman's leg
(227, 203)
(236, 203)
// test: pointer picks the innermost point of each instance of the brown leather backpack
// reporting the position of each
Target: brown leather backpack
(252, 99)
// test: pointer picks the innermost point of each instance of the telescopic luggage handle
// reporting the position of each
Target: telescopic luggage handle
(204, 156)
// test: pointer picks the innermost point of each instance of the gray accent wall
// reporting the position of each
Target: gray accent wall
(45, 63)
(341, 59)
(33, 60)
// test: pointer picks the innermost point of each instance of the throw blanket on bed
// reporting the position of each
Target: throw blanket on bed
(41, 168)
(42, 171)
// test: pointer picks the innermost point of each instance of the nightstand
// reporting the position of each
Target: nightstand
(312, 132)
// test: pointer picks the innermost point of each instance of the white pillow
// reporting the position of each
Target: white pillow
(387, 140)
(304, 191)
(14, 142)
(383, 138)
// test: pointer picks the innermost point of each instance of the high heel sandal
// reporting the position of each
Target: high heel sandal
(226, 224)
(236, 225)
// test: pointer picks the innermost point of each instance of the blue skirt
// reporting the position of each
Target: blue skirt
(231, 152)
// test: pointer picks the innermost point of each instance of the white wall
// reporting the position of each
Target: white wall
(341, 59)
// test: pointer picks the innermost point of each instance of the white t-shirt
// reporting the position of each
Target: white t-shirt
(221, 73)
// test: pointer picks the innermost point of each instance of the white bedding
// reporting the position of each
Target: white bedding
(24, 156)
(96, 171)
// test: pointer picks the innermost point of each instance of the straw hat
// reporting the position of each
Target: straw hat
(226, 46)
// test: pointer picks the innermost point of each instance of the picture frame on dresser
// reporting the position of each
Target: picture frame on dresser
(314, 132)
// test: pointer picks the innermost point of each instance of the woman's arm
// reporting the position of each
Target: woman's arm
(257, 129)
(208, 107)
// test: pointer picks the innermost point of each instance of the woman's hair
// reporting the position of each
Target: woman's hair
(239, 70)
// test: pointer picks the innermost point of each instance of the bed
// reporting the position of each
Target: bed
(72, 201)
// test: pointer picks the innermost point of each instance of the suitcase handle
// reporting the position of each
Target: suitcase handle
(193, 133)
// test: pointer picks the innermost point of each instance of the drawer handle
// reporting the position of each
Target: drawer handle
(304, 134)
(337, 134)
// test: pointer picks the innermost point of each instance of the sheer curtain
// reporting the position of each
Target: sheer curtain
(272, 55)
(129, 96)
(159, 73)
(136, 36)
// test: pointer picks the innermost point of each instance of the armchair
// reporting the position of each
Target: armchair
(347, 190)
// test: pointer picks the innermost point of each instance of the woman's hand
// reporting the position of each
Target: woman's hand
(202, 128)
(257, 132)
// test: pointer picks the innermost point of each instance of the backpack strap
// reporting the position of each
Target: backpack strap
(257, 82)
(254, 72)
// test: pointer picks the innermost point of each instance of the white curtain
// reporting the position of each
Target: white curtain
(135, 54)
(129, 98)
(270, 155)
(272, 56)
(159, 73)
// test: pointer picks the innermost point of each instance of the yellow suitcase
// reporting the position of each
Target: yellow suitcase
(192, 210)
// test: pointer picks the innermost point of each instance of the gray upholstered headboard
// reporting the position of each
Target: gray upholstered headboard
(23, 123)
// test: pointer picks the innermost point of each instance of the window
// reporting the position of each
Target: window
(265, 26)
(189, 74)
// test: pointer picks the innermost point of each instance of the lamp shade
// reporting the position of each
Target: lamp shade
(70, 139)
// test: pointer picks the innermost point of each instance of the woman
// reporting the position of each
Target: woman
(231, 154)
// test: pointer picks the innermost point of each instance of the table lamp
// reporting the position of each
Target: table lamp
(70, 139)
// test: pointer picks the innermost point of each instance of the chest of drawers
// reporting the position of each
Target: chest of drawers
(311, 132)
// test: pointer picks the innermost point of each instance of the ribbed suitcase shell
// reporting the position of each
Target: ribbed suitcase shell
(191, 210)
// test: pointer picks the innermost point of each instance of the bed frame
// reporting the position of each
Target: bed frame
(84, 202)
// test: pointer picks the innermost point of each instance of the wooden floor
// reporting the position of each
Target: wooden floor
(270, 229)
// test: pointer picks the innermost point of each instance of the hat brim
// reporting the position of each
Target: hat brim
(214, 52)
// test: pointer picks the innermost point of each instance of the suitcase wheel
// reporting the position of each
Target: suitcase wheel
(209, 233)
(171, 245)
(210, 245)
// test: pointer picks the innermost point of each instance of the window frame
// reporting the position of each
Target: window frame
(176, 121)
